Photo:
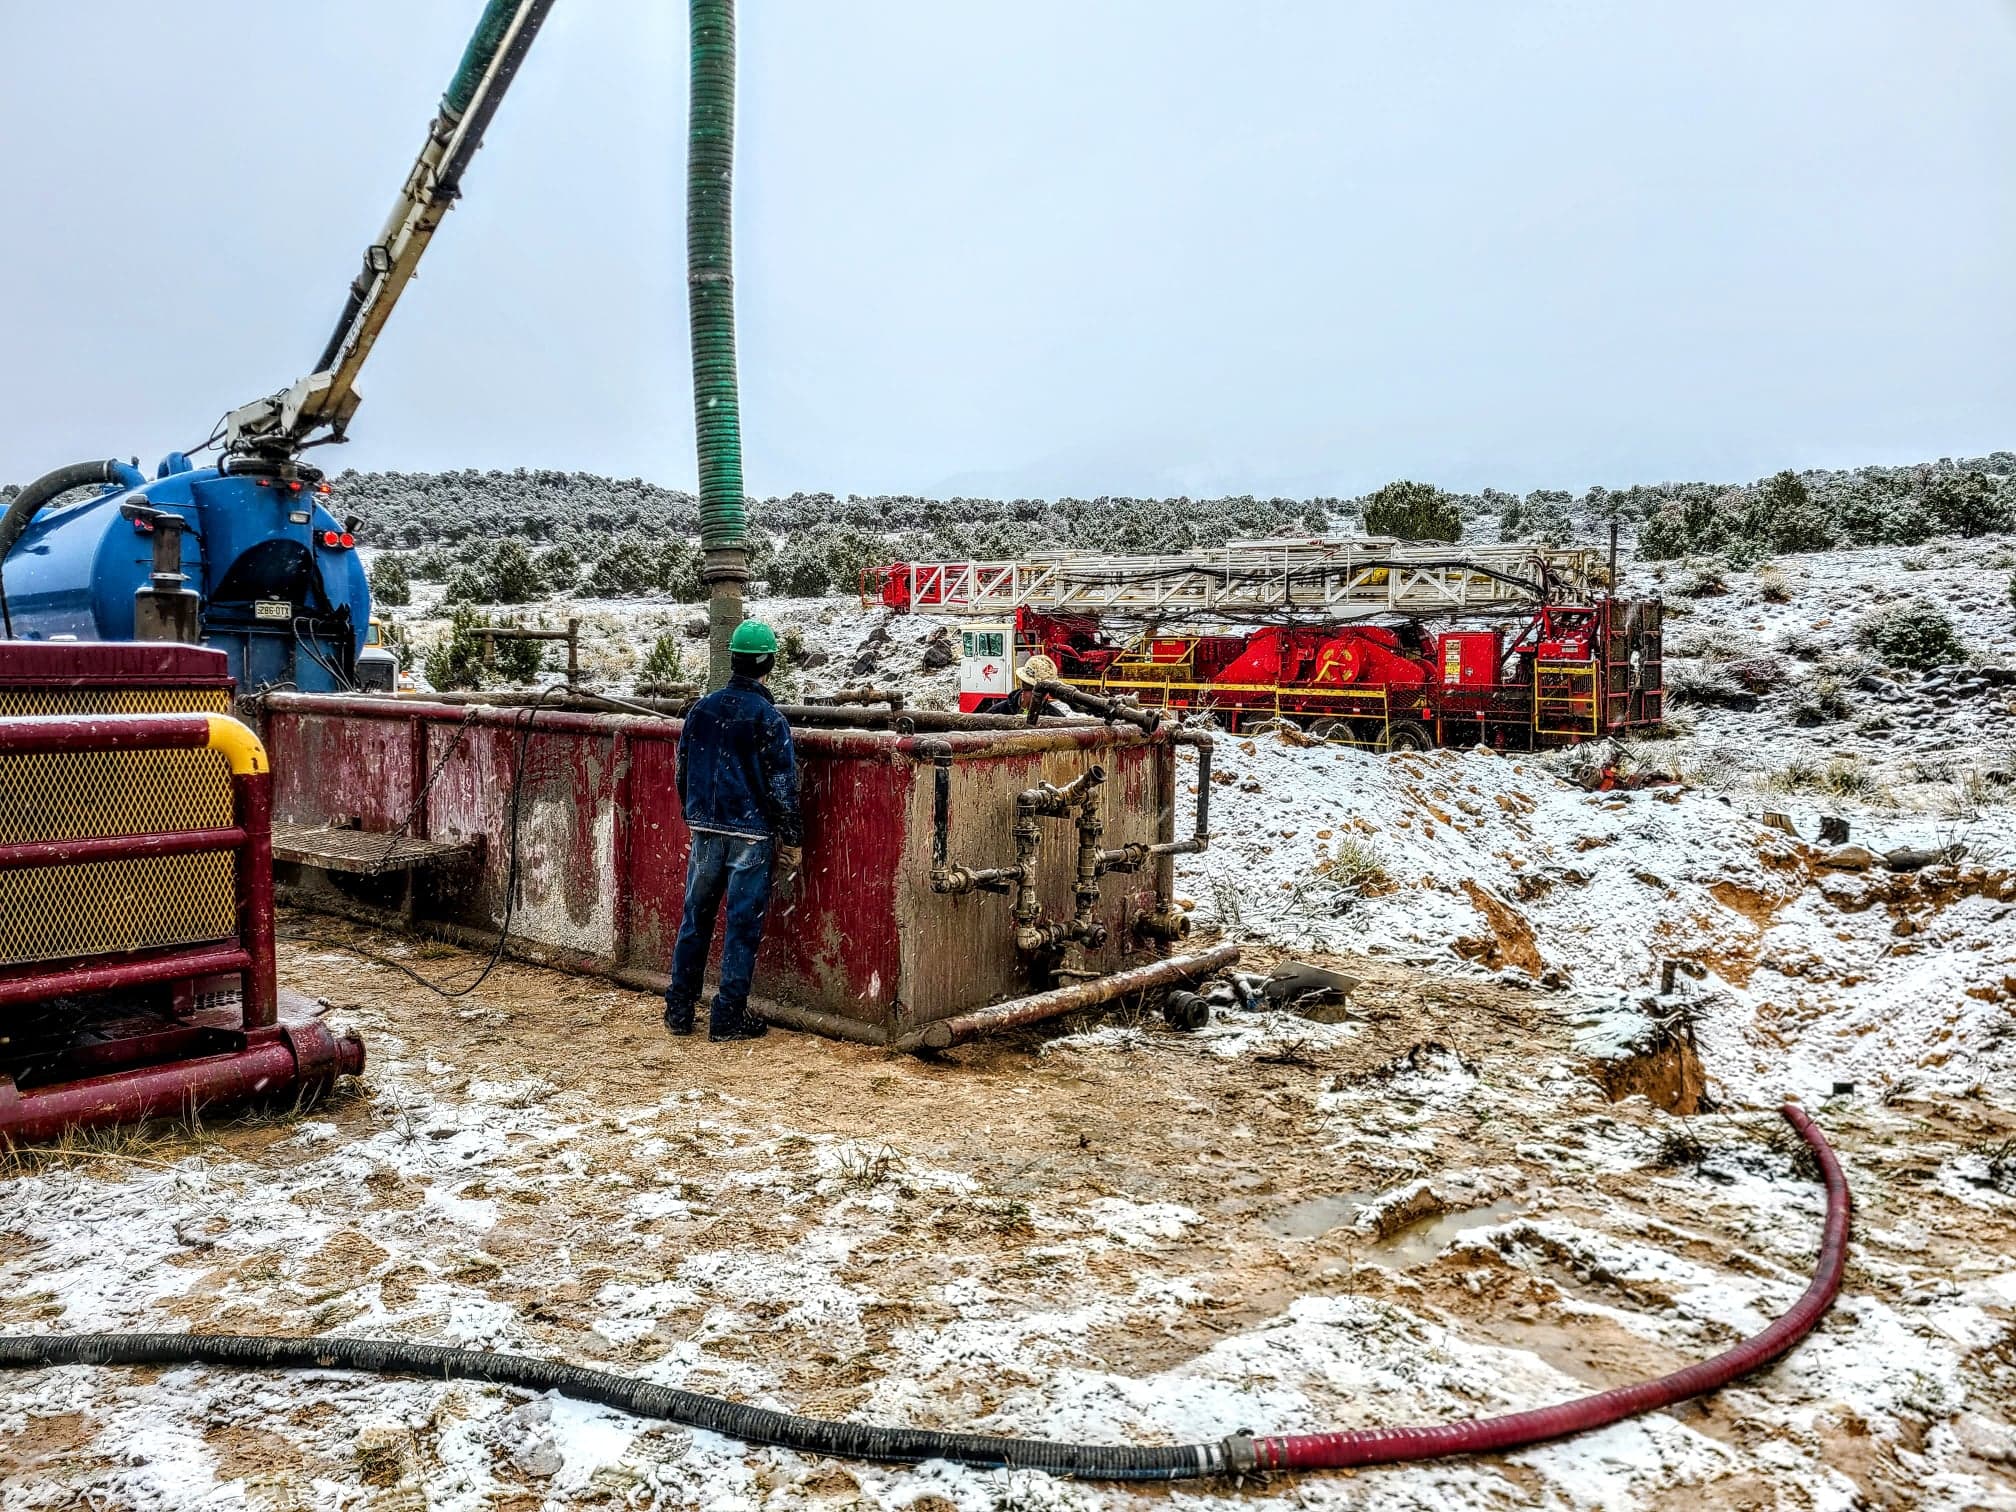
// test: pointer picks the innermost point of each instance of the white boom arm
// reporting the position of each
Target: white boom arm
(327, 398)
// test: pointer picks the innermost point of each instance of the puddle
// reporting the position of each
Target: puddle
(1316, 1216)
(1425, 1238)
(1415, 1244)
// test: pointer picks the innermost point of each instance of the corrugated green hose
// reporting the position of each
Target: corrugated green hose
(483, 44)
(710, 284)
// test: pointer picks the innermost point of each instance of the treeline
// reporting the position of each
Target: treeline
(510, 537)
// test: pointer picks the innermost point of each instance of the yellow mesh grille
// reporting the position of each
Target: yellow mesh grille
(15, 702)
(54, 913)
(57, 912)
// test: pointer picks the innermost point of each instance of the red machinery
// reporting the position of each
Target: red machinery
(136, 895)
(1510, 646)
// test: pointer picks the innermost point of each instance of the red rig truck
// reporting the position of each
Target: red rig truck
(1389, 644)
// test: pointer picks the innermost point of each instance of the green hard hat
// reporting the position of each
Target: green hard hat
(753, 638)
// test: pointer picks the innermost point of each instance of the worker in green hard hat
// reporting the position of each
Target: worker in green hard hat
(738, 787)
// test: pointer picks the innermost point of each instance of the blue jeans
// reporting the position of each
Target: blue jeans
(718, 866)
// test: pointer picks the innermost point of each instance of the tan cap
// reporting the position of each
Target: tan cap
(1039, 668)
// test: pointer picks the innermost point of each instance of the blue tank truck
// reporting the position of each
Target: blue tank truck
(247, 558)
(250, 556)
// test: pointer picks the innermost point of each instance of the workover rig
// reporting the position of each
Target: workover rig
(136, 827)
(1395, 645)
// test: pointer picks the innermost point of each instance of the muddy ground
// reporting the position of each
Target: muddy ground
(1426, 1211)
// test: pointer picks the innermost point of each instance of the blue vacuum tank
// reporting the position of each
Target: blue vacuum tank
(274, 573)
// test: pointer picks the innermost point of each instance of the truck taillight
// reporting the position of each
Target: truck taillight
(335, 539)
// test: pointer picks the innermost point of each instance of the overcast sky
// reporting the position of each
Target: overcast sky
(1106, 246)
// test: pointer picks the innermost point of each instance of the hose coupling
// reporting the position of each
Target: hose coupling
(1239, 1455)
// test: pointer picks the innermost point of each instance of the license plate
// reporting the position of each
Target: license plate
(273, 609)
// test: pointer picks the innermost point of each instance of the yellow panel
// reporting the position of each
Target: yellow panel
(52, 913)
(55, 913)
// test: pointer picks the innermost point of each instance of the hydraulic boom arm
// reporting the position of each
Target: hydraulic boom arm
(281, 424)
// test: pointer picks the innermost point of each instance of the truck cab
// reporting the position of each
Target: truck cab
(987, 662)
(377, 662)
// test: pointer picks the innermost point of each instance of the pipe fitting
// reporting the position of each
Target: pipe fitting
(1108, 708)
(1038, 938)
(1052, 801)
(1128, 858)
(966, 879)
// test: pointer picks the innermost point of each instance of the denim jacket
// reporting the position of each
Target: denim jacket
(738, 774)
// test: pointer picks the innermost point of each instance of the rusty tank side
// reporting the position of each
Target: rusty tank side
(865, 945)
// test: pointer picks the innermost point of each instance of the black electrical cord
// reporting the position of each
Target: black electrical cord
(343, 684)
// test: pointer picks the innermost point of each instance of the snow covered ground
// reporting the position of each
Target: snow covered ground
(1426, 1211)
(1805, 974)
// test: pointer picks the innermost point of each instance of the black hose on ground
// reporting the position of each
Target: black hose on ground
(1239, 1454)
(21, 509)
(751, 1425)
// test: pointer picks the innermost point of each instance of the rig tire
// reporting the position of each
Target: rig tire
(1408, 735)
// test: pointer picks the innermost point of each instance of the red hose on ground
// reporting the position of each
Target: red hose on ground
(1385, 1446)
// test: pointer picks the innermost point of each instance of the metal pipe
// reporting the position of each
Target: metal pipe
(851, 696)
(118, 847)
(943, 1033)
(1072, 696)
(269, 1063)
(822, 715)
(1028, 911)
(941, 803)
(1086, 894)
(252, 809)
(855, 734)
(1200, 837)
(945, 877)
(111, 976)
(40, 734)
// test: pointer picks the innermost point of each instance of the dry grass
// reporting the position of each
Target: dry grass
(155, 1146)
(1841, 777)
(864, 1170)
(1355, 864)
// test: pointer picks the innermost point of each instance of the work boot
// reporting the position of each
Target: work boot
(736, 1026)
(678, 1020)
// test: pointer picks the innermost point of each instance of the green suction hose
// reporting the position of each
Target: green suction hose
(710, 288)
(483, 45)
